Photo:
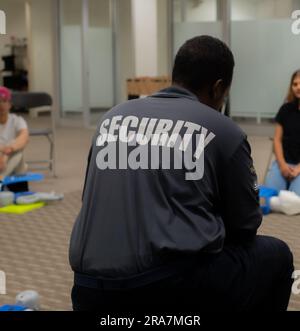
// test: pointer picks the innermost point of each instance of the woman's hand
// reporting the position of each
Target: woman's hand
(287, 171)
(7, 150)
(296, 171)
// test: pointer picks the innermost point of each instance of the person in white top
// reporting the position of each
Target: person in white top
(14, 136)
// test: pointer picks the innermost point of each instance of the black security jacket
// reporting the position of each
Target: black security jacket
(133, 220)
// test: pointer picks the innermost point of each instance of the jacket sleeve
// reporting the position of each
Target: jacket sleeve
(239, 196)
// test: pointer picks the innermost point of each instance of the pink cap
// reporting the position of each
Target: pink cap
(5, 93)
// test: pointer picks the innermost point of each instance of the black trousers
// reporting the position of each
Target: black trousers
(252, 277)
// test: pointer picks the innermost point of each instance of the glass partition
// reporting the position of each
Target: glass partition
(86, 60)
(193, 18)
(100, 59)
(266, 53)
(71, 59)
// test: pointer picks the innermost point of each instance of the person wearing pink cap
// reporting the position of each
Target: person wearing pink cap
(14, 137)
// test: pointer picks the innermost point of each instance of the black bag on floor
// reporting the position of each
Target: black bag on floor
(18, 187)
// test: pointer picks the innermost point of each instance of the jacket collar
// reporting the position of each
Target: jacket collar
(175, 92)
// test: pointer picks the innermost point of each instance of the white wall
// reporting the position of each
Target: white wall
(15, 24)
(125, 49)
(41, 46)
(151, 45)
(145, 36)
(163, 35)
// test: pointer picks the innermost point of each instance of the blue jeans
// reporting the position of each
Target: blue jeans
(277, 181)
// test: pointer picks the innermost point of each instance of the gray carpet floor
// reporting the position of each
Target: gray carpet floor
(34, 253)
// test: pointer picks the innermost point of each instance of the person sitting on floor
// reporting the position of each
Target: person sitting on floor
(14, 136)
(285, 170)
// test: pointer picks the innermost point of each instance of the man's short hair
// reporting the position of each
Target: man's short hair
(201, 61)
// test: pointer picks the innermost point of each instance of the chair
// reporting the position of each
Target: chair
(34, 100)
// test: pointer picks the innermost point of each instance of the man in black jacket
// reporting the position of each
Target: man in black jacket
(170, 206)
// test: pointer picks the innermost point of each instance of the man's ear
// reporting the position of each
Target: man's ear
(218, 89)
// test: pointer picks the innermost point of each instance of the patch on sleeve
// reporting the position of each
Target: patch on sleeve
(252, 170)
